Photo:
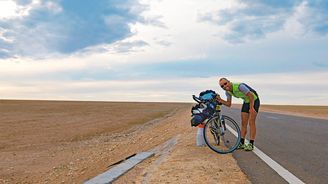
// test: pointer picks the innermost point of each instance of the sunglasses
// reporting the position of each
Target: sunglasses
(224, 84)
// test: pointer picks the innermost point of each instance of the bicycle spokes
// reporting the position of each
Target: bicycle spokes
(215, 132)
(225, 129)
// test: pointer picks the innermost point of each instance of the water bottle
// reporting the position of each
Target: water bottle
(200, 135)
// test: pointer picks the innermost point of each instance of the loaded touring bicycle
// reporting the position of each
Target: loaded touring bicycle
(221, 133)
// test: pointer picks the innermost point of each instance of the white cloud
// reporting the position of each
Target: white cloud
(54, 7)
(7, 9)
(293, 24)
(10, 9)
(3, 37)
(189, 38)
(281, 88)
(25, 68)
(308, 20)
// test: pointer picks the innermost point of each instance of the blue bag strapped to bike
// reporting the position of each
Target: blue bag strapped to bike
(201, 111)
(207, 95)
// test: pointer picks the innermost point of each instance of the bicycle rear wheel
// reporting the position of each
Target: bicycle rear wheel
(222, 136)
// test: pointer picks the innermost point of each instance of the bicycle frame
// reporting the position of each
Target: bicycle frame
(219, 128)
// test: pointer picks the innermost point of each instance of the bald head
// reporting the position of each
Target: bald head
(225, 84)
(224, 79)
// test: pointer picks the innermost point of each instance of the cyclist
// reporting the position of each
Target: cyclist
(249, 109)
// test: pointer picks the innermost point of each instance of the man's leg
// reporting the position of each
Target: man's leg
(244, 122)
(252, 119)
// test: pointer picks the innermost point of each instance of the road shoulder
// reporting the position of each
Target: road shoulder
(186, 163)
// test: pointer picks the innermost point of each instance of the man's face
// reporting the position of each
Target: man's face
(225, 84)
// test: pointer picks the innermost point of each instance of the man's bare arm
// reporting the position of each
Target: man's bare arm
(224, 102)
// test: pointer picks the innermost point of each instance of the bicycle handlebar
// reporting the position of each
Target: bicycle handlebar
(200, 101)
(196, 99)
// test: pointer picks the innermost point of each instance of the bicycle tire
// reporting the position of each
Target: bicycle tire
(234, 134)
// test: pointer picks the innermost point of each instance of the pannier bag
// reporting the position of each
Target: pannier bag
(198, 114)
(201, 111)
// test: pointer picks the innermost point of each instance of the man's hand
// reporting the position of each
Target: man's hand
(252, 110)
(218, 98)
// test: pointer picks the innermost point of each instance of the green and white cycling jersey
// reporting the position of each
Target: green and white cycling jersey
(239, 90)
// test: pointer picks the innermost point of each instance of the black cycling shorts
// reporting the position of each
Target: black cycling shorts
(245, 107)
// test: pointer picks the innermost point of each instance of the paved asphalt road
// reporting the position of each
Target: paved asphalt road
(298, 144)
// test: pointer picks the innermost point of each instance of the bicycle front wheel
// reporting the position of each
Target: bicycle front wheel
(222, 136)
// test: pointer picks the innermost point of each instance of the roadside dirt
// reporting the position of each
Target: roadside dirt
(184, 162)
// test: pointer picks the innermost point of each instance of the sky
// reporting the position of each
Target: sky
(163, 50)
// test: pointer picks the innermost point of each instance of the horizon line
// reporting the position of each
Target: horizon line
(71, 100)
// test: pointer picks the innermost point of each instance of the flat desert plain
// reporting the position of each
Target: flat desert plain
(319, 112)
(71, 142)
